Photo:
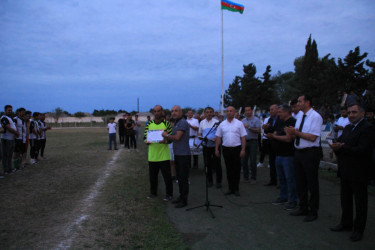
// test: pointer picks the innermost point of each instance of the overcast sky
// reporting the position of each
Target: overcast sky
(95, 54)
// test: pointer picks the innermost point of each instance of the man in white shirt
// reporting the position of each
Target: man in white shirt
(111, 126)
(307, 158)
(341, 122)
(8, 138)
(207, 129)
(232, 133)
(34, 138)
(19, 148)
(194, 126)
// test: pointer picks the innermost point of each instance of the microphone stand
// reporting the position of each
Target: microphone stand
(207, 203)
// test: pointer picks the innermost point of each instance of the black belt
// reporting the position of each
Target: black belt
(307, 149)
(192, 136)
(251, 140)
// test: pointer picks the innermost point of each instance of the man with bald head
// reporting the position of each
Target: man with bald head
(270, 127)
(159, 156)
(181, 150)
(233, 133)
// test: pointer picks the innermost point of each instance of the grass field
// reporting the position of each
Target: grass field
(81, 197)
(84, 196)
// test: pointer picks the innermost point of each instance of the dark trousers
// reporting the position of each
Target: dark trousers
(121, 135)
(131, 138)
(195, 161)
(182, 175)
(7, 150)
(359, 191)
(165, 168)
(251, 152)
(264, 149)
(233, 165)
(112, 139)
(211, 162)
(307, 164)
(42, 146)
(37, 148)
(34, 144)
(272, 162)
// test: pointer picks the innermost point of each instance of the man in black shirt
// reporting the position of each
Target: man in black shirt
(269, 128)
(284, 150)
(121, 129)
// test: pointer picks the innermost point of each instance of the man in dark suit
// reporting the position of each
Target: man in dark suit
(353, 149)
(270, 127)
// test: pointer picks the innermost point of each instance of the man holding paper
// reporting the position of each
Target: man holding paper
(158, 153)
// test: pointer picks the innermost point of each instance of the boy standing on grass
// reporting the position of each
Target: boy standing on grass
(112, 133)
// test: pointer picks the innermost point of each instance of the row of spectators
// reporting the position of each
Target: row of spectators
(17, 133)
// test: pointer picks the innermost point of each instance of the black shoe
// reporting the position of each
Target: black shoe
(270, 184)
(310, 217)
(209, 184)
(228, 193)
(151, 196)
(356, 236)
(176, 201)
(340, 228)
(218, 185)
(181, 204)
(236, 193)
(279, 201)
(299, 213)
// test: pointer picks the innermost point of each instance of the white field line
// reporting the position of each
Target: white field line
(85, 204)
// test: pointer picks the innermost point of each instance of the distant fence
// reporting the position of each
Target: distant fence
(92, 124)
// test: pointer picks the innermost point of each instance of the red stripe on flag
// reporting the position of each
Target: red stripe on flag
(236, 7)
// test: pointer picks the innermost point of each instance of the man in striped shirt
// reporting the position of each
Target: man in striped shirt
(159, 156)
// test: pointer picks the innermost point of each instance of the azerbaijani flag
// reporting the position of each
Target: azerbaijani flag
(231, 6)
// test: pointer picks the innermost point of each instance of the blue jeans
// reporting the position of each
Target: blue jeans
(112, 138)
(251, 152)
(287, 177)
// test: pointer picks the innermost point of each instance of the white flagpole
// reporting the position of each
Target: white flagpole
(222, 64)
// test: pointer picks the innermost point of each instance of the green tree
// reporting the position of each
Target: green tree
(286, 86)
(232, 94)
(269, 89)
(79, 114)
(57, 113)
(352, 73)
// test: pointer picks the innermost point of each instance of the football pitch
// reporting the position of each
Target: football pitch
(83, 196)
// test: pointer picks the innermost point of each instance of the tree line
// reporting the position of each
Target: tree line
(323, 78)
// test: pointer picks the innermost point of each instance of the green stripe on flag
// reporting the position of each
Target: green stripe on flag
(231, 9)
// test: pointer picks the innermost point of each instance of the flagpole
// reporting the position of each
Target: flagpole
(222, 64)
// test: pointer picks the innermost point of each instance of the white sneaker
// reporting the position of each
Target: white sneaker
(128, 150)
(260, 165)
(268, 166)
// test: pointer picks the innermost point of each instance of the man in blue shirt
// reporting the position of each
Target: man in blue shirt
(181, 150)
(253, 128)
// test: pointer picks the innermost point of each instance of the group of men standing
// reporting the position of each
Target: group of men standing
(16, 135)
(295, 152)
(129, 131)
(296, 147)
